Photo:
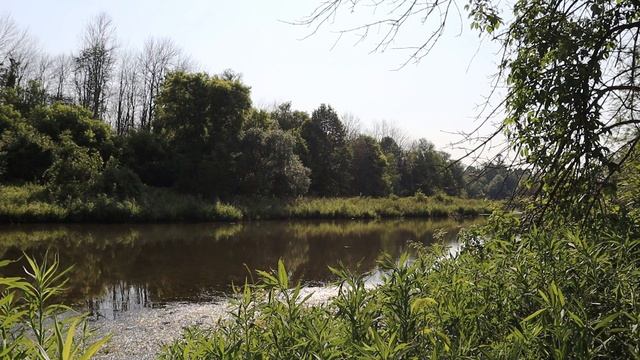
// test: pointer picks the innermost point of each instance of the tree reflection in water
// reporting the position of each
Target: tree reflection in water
(119, 268)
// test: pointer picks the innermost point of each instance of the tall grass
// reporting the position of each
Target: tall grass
(556, 293)
(439, 206)
(31, 203)
(33, 325)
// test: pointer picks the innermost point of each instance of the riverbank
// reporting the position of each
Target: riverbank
(140, 335)
(31, 204)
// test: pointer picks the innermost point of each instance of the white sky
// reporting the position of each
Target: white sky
(436, 96)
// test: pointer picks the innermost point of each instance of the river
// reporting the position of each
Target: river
(161, 277)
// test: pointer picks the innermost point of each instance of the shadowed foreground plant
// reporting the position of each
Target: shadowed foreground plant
(552, 294)
(33, 325)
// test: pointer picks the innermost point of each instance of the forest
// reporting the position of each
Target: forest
(115, 123)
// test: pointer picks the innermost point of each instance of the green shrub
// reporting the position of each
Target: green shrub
(118, 181)
(74, 170)
(25, 154)
(419, 195)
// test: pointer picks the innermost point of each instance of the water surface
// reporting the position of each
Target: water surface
(120, 268)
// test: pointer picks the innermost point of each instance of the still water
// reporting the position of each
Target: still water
(121, 268)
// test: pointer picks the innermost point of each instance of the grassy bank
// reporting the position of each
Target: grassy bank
(31, 203)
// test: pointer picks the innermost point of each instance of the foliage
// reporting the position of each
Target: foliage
(201, 117)
(32, 325)
(25, 154)
(149, 156)
(328, 155)
(32, 203)
(368, 168)
(29, 203)
(269, 165)
(493, 180)
(8, 116)
(561, 92)
(629, 186)
(118, 181)
(428, 170)
(201, 136)
(74, 170)
(394, 154)
(59, 119)
(363, 208)
(545, 294)
(289, 119)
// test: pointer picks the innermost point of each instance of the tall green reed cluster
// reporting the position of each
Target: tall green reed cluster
(32, 203)
(552, 294)
(33, 325)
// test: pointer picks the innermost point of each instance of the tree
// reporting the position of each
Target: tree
(395, 159)
(269, 166)
(384, 129)
(94, 65)
(74, 122)
(328, 156)
(126, 96)
(11, 38)
(629, 186)
(148, 154)
(158, 58)
(368, 168)
(201, 118)
(424, 169)
(118, 181)
(287, 118)
(74, 170)
(352, 126)
(570, 68)
(292, 121)
(25, 153)
(494, 179)
(62, 69)
(260, 119)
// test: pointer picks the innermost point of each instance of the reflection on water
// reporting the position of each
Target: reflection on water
(127, 267)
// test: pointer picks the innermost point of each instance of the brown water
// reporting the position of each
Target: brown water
(125, 268)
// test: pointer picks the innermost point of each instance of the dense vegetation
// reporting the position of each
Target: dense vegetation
(545, 295)
(32, 203)
(559, 281)
(107, 139)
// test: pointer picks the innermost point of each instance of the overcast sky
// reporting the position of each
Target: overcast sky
(438, 95)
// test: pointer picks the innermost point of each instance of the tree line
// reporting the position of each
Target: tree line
(108, 121)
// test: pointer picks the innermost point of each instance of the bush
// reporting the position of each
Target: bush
(25, 154)
(118, 181)
(60, 120)
(148, 155)
(74, 170)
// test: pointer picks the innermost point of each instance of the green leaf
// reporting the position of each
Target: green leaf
(534, 315)
(94, 348)
(606, 321)
(282, 274)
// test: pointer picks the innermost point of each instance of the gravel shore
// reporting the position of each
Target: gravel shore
(140, 334)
